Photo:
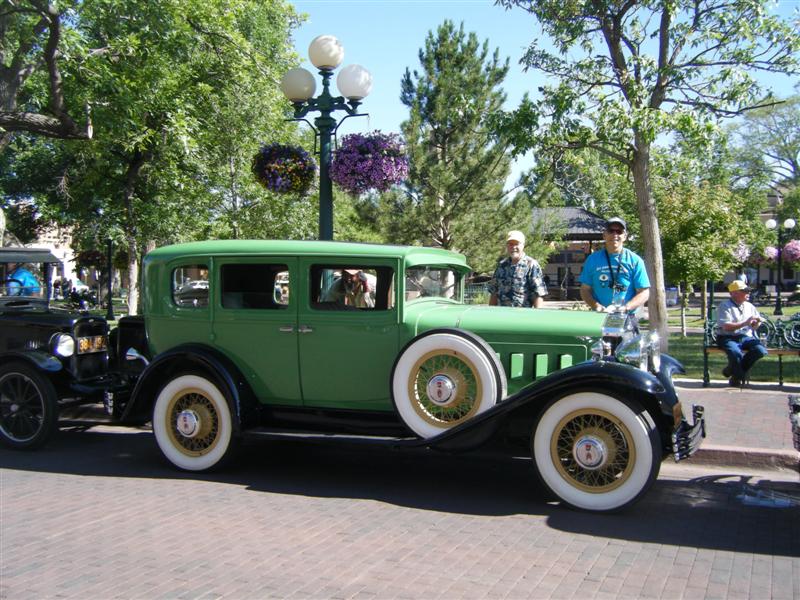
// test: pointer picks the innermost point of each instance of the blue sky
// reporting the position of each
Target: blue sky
(385, 37)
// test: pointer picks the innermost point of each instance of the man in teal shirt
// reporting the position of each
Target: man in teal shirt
(614, 276)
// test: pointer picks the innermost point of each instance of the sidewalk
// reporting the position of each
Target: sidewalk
(746, 427)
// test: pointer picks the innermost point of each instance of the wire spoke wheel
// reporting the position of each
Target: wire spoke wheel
(192, 423)
(593, 450)
(462, 396)
(205, 432)
(443, 378)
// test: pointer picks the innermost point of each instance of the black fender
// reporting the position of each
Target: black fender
(518, 414)
(43, 361)
(200, 359)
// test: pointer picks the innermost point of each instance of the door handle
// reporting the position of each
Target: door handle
(286, 329)
(304, 329)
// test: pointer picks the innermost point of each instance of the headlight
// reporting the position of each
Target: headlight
(633, 352)
(63, 345)
(615, 324)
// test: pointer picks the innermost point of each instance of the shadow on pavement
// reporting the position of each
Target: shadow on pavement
(704, 512)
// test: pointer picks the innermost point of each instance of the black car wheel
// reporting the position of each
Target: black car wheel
(28, 407)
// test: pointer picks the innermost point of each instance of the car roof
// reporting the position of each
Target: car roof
(27, 255)
(412, 255)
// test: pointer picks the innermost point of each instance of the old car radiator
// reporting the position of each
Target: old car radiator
(91, 344)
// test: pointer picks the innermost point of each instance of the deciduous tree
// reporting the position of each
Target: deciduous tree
(624, 73)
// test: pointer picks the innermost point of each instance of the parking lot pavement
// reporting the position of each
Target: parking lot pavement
(98, 514)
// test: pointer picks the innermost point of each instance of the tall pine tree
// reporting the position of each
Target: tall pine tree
(454, 190)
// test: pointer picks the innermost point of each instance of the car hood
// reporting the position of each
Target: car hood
(35, 314)
(493, 322)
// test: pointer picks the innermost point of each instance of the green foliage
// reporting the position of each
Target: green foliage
(183, 92)
(455, 186)
(625, 73)
(701, 226)
(767, 143)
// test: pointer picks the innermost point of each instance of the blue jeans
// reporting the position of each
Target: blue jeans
(743, 351)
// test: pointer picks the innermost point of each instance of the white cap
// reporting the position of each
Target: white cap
(517, 236)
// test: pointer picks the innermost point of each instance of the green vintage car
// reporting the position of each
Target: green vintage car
(348, 340)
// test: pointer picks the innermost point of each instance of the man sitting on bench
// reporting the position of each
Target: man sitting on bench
(736, 323)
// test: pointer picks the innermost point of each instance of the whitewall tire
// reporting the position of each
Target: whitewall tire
(442, 379)
(192, 423)
(595, 452)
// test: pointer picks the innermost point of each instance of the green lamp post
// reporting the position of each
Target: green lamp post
(298, 85)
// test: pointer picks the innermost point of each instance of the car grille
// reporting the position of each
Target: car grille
(91, 358)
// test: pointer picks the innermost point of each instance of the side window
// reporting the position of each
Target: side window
(255, 286)
(190, 286)
(351, 287)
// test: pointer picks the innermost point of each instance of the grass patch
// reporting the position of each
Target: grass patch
(689, 350)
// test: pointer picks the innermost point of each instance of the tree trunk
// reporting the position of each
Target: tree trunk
(133, 276)
(651, 236)
(135, 165)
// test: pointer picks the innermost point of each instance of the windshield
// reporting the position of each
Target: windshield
(436, 282)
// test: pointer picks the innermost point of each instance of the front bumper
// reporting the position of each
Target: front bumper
(686, 439)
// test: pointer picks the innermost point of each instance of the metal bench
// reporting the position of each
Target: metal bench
(782, 338)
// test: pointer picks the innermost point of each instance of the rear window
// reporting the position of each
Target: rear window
(190, 286)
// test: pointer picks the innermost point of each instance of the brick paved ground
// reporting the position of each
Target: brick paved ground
(752, 417)
(99, 515)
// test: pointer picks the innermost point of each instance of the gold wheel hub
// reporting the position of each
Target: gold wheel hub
(193, 423)
(443, 387)
(593, 450)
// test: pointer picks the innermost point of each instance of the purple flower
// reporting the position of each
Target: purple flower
(741, 252)
(771, 253)
(791, 251)
(284, 169)
(366, 162)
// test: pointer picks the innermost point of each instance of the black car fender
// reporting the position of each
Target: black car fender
(43, 361)
(199, 359)
(517, 414)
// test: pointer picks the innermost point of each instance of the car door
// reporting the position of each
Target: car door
(255, 323)
(347, 342)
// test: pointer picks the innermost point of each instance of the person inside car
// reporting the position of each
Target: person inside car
(353, 287)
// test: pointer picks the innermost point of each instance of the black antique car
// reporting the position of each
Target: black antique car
(51, 358)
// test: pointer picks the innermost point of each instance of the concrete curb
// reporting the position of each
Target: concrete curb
(733, 456)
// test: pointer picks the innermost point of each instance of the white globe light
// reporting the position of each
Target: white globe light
(326, 52)
(789, 224)
(354, 82)
(771, 224)
(298, 85)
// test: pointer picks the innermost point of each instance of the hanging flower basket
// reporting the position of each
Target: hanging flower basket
(791, 251)
(767, 257)
(284, 169)
(375, 161)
